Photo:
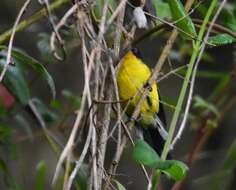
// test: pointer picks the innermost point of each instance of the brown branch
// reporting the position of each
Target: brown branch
(217, 27)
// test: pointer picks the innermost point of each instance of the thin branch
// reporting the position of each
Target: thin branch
(56, 32)
(57, 28)
(48, 134)
(81, 159)
(117, 11)
(68, 148)
(216, 27)
(174, 71)
(32, 19)
(8, 61)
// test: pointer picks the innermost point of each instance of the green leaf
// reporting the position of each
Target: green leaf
(72, 99)
(199, 102)
(82, 177)
(39, 68)
(55, 104)
(43, 46)
(23, 58)
(119, 185)
(174, 169)
(162, 9)
(212, 123)
(24, 124)
(228, 19)
(5, 133)
(144, 154)
(221, 39)
(230, 161)
(3, 166)
(221, 85)
(41, 175)
(183, 21)
(16, 83)
(48, 115)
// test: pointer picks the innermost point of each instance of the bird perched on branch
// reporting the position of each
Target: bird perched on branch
(132, 78)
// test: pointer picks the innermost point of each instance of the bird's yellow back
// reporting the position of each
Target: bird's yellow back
(133, 74)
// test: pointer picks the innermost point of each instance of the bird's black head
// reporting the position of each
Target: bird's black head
(137, 53)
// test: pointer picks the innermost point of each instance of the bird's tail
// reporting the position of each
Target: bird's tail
(152, 136)
(156, 135)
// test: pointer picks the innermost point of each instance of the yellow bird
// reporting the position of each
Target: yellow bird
(132, 78)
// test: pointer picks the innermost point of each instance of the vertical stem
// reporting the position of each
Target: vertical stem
(196, 48)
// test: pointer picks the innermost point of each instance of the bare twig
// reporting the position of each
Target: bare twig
(81, 159)
(57, 28)
(8, 61)
(116, 12)
(45, 3)
(32, 19)
(68, 148)
(174, 71)
(49, 135)
(217, 27)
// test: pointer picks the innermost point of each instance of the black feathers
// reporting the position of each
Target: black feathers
(137, 53)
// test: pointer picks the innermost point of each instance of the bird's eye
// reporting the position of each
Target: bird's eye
(136, 52)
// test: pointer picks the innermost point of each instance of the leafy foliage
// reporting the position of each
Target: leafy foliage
(144, 154)
(162, 9)
(21, 58)
(119, 185)
(16, 82)
(221, 39)
(48, 115)
(182, 19)
(40, 175)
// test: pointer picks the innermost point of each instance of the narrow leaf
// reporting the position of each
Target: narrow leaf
(3, 167)
(119, 185)
(230, 161)
(48, 115)
(183, 21)
(82, 177)
(199, 102)
(41, 175)
(16, 83)
(162, 9)
(221, 39)
(144, 154)
(43, 47)
(24, 124)
(39, 68)
(174, 169)
(229, 20)
(5, 133)
(72, 99)
(23, 58)
(221, 84)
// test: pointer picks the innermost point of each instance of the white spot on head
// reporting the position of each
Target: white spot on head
(140, 17)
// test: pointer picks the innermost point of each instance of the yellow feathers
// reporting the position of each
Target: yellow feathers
(132, 76)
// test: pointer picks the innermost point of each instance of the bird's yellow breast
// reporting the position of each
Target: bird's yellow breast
(132, 75)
